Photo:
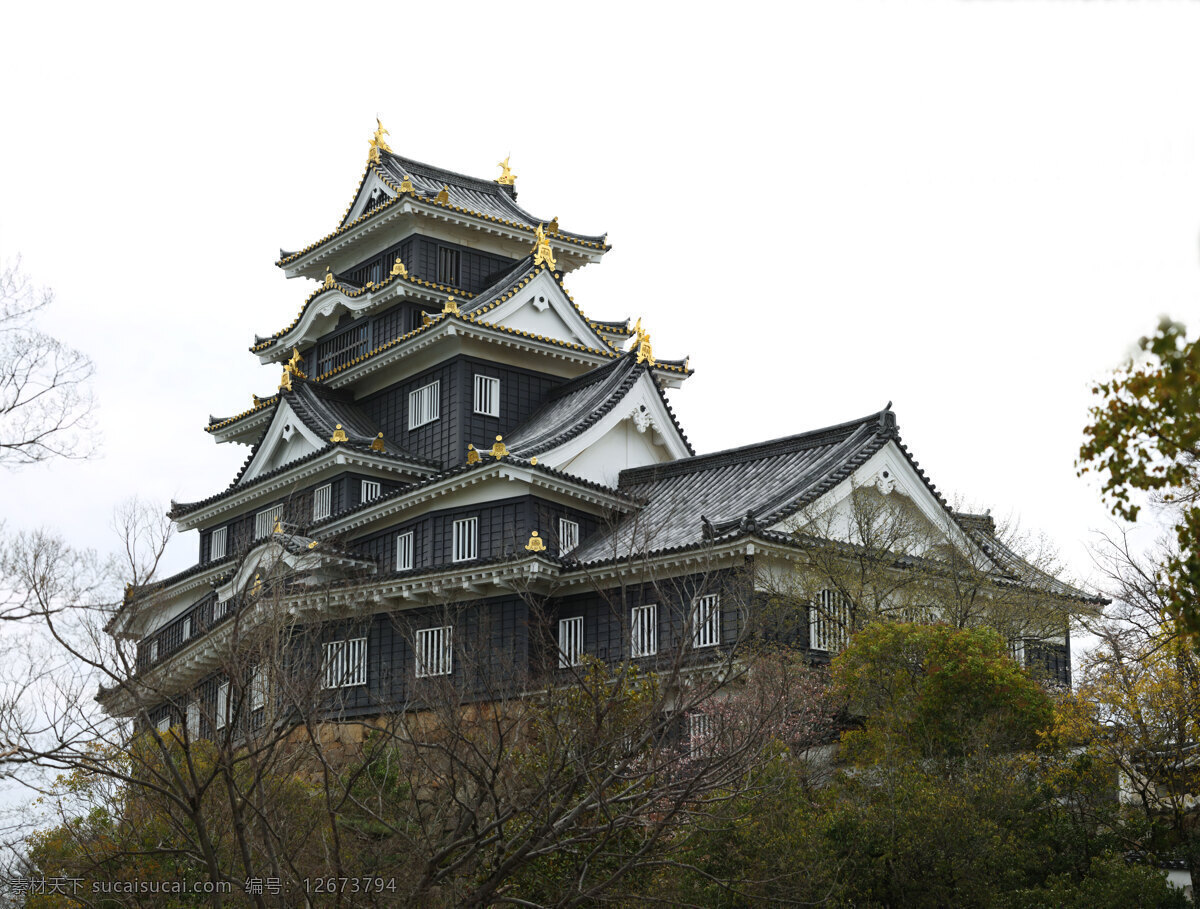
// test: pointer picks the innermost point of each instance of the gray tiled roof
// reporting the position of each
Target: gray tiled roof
(756, 484)
(485, 196)
(573, 407)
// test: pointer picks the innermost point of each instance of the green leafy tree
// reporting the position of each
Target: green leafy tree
(1145, 438)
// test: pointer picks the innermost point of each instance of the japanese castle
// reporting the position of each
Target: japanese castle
(459, 462)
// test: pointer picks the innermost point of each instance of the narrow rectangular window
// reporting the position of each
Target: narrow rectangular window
(264, 523)
(829, 621)
(154, 650)
(185, 629)
(222, 717)
(644, 631)
(258, 689)
(424, 404)
(164, 724)
(356, 662)
(193, 718)
(334, 664)
(568, 535)
(448, 262)
(370, 490)
(487, 396)
(699, 734)
(404, 551)
(570, 641)
(706, 621)
(220, 609)
(435, 651)
(216, 544)
(322, 498)
(466, 540)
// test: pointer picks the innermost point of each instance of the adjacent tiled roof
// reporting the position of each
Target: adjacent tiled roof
(579, 404)
(756, 484)
(485, 199)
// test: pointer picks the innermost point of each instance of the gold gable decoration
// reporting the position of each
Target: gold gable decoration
(507, 177)
(499, 450)
(473, 455)
(291, 368)
(451, 307)
(339, 434)
(406, 185)
(328, 278)
(444, 195)
(378, 143)
(536, 543)
(398, 269)
(541, 250)
(377, 444)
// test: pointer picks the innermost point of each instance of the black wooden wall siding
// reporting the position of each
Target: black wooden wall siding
(477, 270)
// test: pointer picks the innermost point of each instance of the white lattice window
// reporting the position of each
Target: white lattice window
(322, 499)
(466, 540)
(153, 650)
(185, 629)
(220, 609)
(829, 621)
(370, 490)
(700, 734)
(193, 718)
(404, 551)
(435, 651)
(222, 715)
(164, 724)
(345, 663)
(264, 523)
(643, 630)
(570, 641)
(1016, 649)
(258, 689)
(568, 535)
(424, 404)
(487, 396)
(706, 621)
(216, 543)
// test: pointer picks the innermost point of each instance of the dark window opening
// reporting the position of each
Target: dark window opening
(448, 265)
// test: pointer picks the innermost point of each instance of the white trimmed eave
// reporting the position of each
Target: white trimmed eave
(312, 264)
(333, 461)
(531, 477)
(713, 557)
(267, 555)
(133, 619)
(246, 429)
(454, 328)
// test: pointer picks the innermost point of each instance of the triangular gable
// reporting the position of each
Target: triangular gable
(542, 307)
(888, 473)
(637, 432)
(286, 439)
(372, 192)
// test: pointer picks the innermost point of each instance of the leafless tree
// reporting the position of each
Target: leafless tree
(45, 401)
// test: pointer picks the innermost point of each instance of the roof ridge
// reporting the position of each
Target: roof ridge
(769, 448)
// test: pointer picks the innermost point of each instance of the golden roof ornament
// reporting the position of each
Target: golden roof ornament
(533, 461)
(328, 277)
(378, 143)
(507, 177)
(398, 269)
(499, 450)
(444, 195)
(554, 225)
(473, 455)
(542, 251)
(645, 353)
(291, 368)
(406, 185)
(278, 528)
(256, 587)
(426, 318)
(339, 434)
(313, 544)
(536, 543)
(377, 443)
(451, 307)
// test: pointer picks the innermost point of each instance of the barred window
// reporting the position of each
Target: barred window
(264, 523)
(193, 717)
(345, 663)
(154, 650)
(424, 404)
(466, 540)
(322, 497)
(487, 396)
(706, 621)
(343, 349)
(644, 631)
(185, 629)
(370, 490)
(829, 621)
(220, 609)
(448, 262)
(568, 535)
(216, 544)
(258, 689)
(164, 723)
(570, 641)
(435, 651)
(699, 734)
(404, 551)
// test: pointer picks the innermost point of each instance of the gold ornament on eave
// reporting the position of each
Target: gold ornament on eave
(398, 269)
(507, 177)
(406, 185)
(536, 543)
(473, 455)
(339, 434)
(328, 277)
(645, 353)
(451, 307)
(291, 368)
(499, 450)
(541, 250)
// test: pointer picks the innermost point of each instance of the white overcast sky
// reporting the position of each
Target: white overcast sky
(970, 209)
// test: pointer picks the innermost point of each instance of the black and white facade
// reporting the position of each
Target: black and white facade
(460, 468)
